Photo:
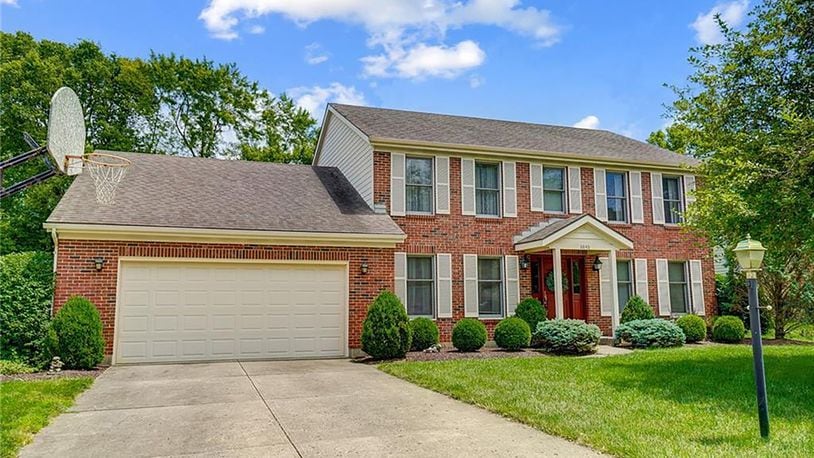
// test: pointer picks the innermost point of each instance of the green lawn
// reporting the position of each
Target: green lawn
(27, 406)
(692, 401)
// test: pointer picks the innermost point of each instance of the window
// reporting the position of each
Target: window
(617, 196)
(624, 283)
(419, 185)
(554, 190)
(672, 199)
(490, 287)
(487, 189)
(677, 274)
(420, 286)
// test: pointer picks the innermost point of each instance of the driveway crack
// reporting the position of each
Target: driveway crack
(279, 423)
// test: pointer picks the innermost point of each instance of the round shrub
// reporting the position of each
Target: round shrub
(569, 337)
(425, 333)
(649, 333)
(513, 333)
(76, 334)
(531, 311)
(386, 330)
(694, 327)
(728, 329)
(469, 334)
(636, 309)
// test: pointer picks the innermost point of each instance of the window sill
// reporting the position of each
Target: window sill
(488, 218)
(490, 318)
(420, 215)
(619, 224)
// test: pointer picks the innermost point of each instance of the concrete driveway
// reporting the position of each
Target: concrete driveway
(296, 408)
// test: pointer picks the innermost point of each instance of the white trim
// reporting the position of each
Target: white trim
(600, 195)
(470, 289)
(574, 188)
(444, 277)
(605, 288)
(468, 187)
(636, 198)
(697, 287)
(442, 204)
(511, 264)
(657, 194)
(398, 184)
(663, 283)
(614, 281)
(509, 173)
(558, 293)
(400, 276)
(640, 276)
(618, 240)
(536, 186)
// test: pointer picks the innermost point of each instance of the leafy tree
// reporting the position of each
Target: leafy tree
(674, 138)
(747, 111)
(285, 133)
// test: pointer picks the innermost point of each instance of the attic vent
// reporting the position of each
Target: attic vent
(380, 208)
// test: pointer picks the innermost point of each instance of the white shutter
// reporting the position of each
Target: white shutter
(536, 187)
(467, 186)
(636, 201)
(574, 190)
(600, 195)
(471, 285)
(443, 278)
(509, 189)
(442, 185)
(642, 289)
(397, 192)
(400, 275)
(689, 190)
(658, 198)
(663, 282)
(511, 271)
(697, 287)
(606, 290)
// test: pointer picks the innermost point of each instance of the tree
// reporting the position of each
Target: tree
(747, 112)
(673, 137)
(284, 133)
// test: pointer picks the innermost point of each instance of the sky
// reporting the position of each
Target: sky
(587, 63)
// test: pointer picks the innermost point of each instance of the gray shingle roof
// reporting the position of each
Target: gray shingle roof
(556, 226)
(381, 123)
(171, 191)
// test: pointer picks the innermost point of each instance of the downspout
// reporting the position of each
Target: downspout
(55, 238)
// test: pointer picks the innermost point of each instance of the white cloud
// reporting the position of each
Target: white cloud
(408, 32)
(314, 98)
(256, 29)
(588, 122)
(314, 54)
(706, 27)
(476, 81)
(9, 3)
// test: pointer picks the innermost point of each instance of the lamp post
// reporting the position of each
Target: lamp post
(750, 256)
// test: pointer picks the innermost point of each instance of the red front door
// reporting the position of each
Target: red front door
(542, 284)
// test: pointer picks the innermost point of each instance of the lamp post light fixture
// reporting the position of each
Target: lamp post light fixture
(750, 256)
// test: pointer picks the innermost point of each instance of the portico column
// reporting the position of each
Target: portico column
(558, 308)
(614, 289)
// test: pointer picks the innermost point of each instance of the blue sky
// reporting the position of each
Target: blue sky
(591, 63)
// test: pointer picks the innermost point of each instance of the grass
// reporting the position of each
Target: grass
(803, 333)
(27, 406)
(696, 401)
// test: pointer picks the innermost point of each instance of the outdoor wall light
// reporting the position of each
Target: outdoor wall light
(524, 262)
(98, 263)
(597, 266)
(364, 268)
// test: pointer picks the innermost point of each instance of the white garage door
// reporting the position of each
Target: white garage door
(171, 311)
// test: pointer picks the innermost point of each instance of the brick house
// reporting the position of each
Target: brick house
(201, 259)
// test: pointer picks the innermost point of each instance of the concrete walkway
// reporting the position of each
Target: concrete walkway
(298, 408)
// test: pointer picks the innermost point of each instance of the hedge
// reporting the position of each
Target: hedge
(386, 331)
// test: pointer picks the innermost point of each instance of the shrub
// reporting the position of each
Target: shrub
(513, 333)
(694, 327)
(425, 333)
(26, 288)
(649, 333)
(386, 330)
(14, 367)
(469, 334)
(572, 337)
(531, 311)
(76, 334)
(728, 329)
(636, 309)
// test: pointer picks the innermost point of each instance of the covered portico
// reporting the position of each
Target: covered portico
(587, 236)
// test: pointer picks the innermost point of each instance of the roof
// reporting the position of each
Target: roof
(562, 227)
(546, 140)
(184, 192)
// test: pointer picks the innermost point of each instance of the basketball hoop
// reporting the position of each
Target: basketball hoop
(107, 172)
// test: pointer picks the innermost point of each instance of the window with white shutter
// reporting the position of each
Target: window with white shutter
(509, 189)
(470, 285)
(536, 187)
(636, 201)
(512, 274)
(697, 287)
(574, 190)
(442, 185)
(400, 276)
(600, 195)
(663, 284)
(444, 277)
(642, 288)
(397, 191)
(606, 290)
(657, 197)
(467, 186)
(689, 189)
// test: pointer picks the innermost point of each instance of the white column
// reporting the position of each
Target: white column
(614, 289)
(558, 308)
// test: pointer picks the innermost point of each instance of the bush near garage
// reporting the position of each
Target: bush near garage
(386, 330)
(26, 289)
(567, 337)
(636, 309)
(652, 333)
(512, 333)
(469, 334)
(531, 311)
(728, 329)
(76, 334)
(694, 327)
(425, 333)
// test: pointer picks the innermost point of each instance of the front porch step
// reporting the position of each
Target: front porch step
(606, 340)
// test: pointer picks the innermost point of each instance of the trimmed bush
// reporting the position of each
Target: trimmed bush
(469, 334)
(386, 330)
(636, 309)
(568, 337)
(531, 311)
(425, 333)
(694, 327)
(649, 334)
(26, 289)
(728, 329)
(513, 333)
(14, 367)
(76, 334)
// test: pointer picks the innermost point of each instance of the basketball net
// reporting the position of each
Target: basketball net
(107, 172)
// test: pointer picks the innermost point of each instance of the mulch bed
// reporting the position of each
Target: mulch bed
(451, 353)
(51, 376)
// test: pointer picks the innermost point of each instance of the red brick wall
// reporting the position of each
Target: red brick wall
(76, 274)
(458, 234)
